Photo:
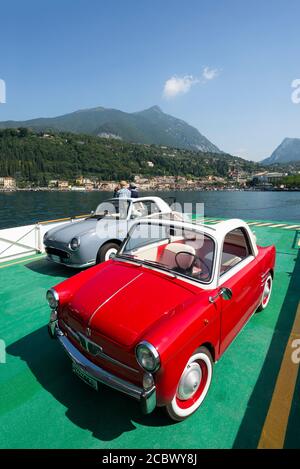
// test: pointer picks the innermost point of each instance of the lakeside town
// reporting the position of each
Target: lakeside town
(236, 180)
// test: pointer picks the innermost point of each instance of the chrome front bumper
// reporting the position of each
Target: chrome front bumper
(147, 398)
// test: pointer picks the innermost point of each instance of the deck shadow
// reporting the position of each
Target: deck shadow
(250, 429)
(45, 267)
(107, 414)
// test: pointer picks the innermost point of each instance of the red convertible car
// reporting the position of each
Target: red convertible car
(152, 321)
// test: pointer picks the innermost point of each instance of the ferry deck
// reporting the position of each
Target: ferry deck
(253, 401)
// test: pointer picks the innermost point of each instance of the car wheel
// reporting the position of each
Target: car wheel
(266, 293)
(193, 385)
(106, 251)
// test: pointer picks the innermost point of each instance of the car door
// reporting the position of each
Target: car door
(239, 271)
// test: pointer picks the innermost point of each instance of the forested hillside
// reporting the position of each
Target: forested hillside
(39, 157)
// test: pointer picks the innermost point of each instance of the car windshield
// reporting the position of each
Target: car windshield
(182, 251)
(115, 208)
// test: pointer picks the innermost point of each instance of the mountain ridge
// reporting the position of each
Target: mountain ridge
(288, 151)
(149, 126)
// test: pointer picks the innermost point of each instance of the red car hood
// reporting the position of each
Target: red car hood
(122, 300)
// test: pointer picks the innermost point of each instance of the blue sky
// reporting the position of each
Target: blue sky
(231, 63)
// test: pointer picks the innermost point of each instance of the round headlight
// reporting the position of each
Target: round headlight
(45, 236)
(147, 356)
(74, 244)
(52, 298)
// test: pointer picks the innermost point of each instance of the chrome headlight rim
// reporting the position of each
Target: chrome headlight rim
(152, 351)
(77, 239)
(55, 298)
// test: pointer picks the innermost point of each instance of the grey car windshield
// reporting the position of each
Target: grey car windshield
(113, 208)
(180, 250)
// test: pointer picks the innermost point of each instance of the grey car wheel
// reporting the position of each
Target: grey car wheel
(106, 251)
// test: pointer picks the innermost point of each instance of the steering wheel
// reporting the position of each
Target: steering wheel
(204, 269)
(185, 261)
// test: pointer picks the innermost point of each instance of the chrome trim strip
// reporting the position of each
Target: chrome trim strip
(264, 276)
(146, 398)
(99, 354)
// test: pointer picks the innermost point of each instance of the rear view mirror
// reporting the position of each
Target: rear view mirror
(224, 292)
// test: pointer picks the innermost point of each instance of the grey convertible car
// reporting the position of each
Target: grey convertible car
(96, 238)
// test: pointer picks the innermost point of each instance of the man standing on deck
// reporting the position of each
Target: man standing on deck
(123, 192)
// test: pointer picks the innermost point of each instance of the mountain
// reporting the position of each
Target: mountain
(286, 152)
(151, 126)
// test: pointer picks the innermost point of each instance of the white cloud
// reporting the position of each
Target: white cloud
(178, 85)
(209, 73)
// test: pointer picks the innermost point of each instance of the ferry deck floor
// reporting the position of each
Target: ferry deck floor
(253, 401)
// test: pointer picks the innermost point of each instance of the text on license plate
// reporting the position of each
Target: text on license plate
(84, 376)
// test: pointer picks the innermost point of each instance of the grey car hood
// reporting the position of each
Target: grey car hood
(65, 233)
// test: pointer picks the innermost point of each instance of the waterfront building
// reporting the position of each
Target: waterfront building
(7, 183)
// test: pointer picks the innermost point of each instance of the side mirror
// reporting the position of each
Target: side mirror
(224, 292)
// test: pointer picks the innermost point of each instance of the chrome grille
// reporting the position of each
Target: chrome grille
(94, 349)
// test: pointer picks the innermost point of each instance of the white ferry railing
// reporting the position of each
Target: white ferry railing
(16, 243)
(25, 240)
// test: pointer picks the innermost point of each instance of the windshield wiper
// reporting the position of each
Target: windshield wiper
(159, 266)
(128, 257)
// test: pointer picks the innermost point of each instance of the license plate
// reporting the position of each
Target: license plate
(55, 258)
(84, 376)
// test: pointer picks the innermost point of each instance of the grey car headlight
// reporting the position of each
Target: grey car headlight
(45, 236)
(147, 356)
(52, 298)
(75, 243)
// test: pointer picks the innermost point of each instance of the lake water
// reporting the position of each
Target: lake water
(23, 208)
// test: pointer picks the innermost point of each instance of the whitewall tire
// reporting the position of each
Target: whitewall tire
(193, 385)
(266, 293)
(105, 252)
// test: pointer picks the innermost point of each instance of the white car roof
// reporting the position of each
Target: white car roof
(217, 230)
(160, 202)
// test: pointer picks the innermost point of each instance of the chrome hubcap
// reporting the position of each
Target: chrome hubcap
(266, 291)
(190, 381)
(109, 253)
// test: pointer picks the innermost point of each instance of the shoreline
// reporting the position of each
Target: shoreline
(161, 189)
